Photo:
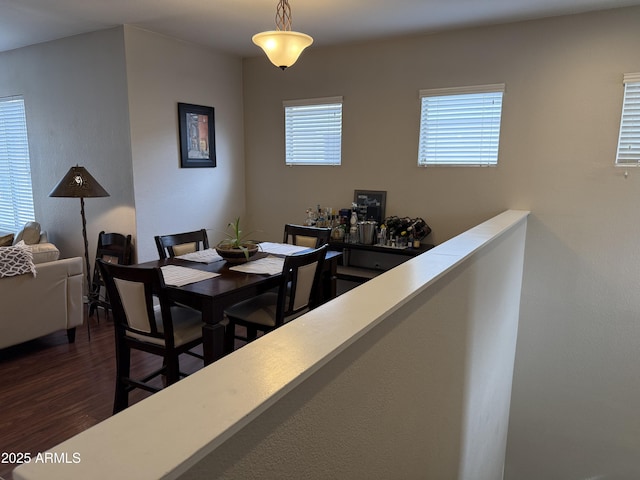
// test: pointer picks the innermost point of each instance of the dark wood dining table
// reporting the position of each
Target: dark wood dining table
(213, 295)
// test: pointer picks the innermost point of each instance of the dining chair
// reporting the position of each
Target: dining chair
(181, 243)
(296, 294)
(312, 237)
(160, 328)
(112, 248)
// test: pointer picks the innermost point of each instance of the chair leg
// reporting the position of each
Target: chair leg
(94, 304)
(123, 367)
(172, 368)
(229, 337)
(252, 333)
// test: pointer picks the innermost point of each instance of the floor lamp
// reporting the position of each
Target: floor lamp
(78, 183)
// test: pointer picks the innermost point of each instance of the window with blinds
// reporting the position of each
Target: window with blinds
(16, 197)
(629, 138)
(460, 126)
(313, 131)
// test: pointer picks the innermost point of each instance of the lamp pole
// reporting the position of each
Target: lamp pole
(86, 246)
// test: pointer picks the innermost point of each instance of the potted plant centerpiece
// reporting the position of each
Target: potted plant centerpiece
(235, 248)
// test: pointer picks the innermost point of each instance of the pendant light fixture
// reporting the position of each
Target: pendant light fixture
(282, 46)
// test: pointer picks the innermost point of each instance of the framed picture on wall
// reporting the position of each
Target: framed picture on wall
(197, 136)
(371, 204)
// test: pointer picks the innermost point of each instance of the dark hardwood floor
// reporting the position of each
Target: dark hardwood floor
(52, 390)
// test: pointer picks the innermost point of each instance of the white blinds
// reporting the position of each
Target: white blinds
(629, 139)
(313, 131)
(16, 197)
(460, 126)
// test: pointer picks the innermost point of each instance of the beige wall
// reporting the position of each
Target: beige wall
(76, 104)
(161, 72)
(108, 100)
(576, 387)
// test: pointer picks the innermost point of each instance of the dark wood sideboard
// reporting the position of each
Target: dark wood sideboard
(362, 262)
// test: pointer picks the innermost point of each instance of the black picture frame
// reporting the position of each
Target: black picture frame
(371, 204)
(197, 136)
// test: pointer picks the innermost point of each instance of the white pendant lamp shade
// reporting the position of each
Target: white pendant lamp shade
(282, 47)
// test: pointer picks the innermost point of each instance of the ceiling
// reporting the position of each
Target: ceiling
(228, 25)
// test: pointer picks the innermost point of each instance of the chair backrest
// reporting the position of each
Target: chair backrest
(312, 237)
(131, 293)
(114, 248)
(300, 283)
(181, 243)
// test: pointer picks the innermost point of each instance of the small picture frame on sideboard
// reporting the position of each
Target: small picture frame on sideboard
(371, 204)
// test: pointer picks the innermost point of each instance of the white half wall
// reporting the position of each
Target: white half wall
(406, 376)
